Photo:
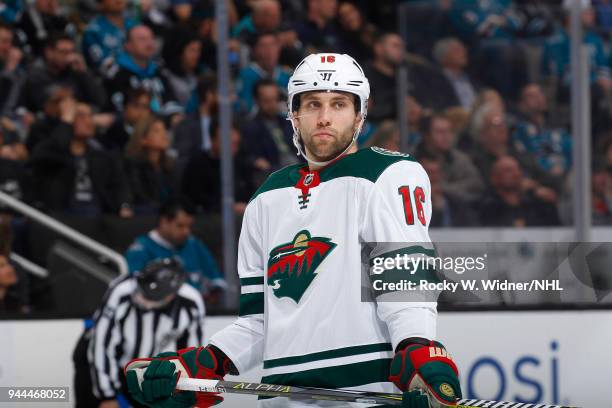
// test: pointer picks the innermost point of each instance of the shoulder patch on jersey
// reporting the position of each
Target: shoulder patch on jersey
(285, 177)
(389, 152)
(366, 163)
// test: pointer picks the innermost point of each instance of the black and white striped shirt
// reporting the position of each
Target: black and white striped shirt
(123, 331)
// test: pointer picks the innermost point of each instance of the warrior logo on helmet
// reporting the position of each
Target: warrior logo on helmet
(292, 266)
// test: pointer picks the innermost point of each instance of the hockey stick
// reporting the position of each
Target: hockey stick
(301, 393)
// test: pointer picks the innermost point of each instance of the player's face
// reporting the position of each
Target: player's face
(327, 122)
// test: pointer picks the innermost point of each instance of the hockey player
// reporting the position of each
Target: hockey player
(299, 262)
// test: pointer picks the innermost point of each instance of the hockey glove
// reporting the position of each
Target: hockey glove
(414, 399)
(424, 364)
(163, 371)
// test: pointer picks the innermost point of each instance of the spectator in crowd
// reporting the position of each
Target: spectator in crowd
(492, 141)
(268, 135)
(182, 52)
(172, 237)
(105, 34)
(461, 180)
(537, 18)
(490, 28)
(489, 96)
(493, 101)
(10, 141)
(265, 18)
(601, 190)
(551, 148)
(10, 10)
(452, 86)
(482, 20)
(415, 114)
(135, 109)
(355, 34)
(446, 210)
(14, 295)
(460, 120)
(556, 63)
(507, 204)
(14, 179)
(192, 12)
(603, 9)
(158, 15)
(152, 311)
(71, 175)
(192, 135)
(201, 181)
(386, 136)
(11, 71)
(266, 52)
(151, 172)
(318, 31)
(65, 67)
(389, 52)
(135, 68)
(40, 19)
(56, 99)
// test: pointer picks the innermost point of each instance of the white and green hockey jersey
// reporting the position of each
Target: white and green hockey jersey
(299, 261)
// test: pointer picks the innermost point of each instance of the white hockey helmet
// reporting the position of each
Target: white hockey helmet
(328, 72)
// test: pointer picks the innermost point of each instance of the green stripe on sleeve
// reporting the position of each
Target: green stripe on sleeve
(257, 280)
(323, 355)
(251, 303)
(349, 375)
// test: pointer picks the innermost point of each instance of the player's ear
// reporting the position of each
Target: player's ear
(357, 121)
(295, 118)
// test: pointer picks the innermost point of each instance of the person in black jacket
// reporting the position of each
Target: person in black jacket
(268, 135)
(63, 66)
(11, 71)
(40, 19)
(508, 204)
(192, 135)
(137, 107)
(451, 84)
(151, 173)
(72, 175)
(135, 68)
(201, 182)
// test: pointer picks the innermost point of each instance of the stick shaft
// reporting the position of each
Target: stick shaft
(273, 390)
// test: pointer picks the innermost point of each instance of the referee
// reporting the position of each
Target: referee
(146, 313)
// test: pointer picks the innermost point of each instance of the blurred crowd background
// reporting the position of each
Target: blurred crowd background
(110, 107)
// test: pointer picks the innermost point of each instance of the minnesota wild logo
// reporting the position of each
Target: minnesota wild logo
(291, 266)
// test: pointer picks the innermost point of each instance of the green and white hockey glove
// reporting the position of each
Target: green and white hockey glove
(157, 388)
(424, 364)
